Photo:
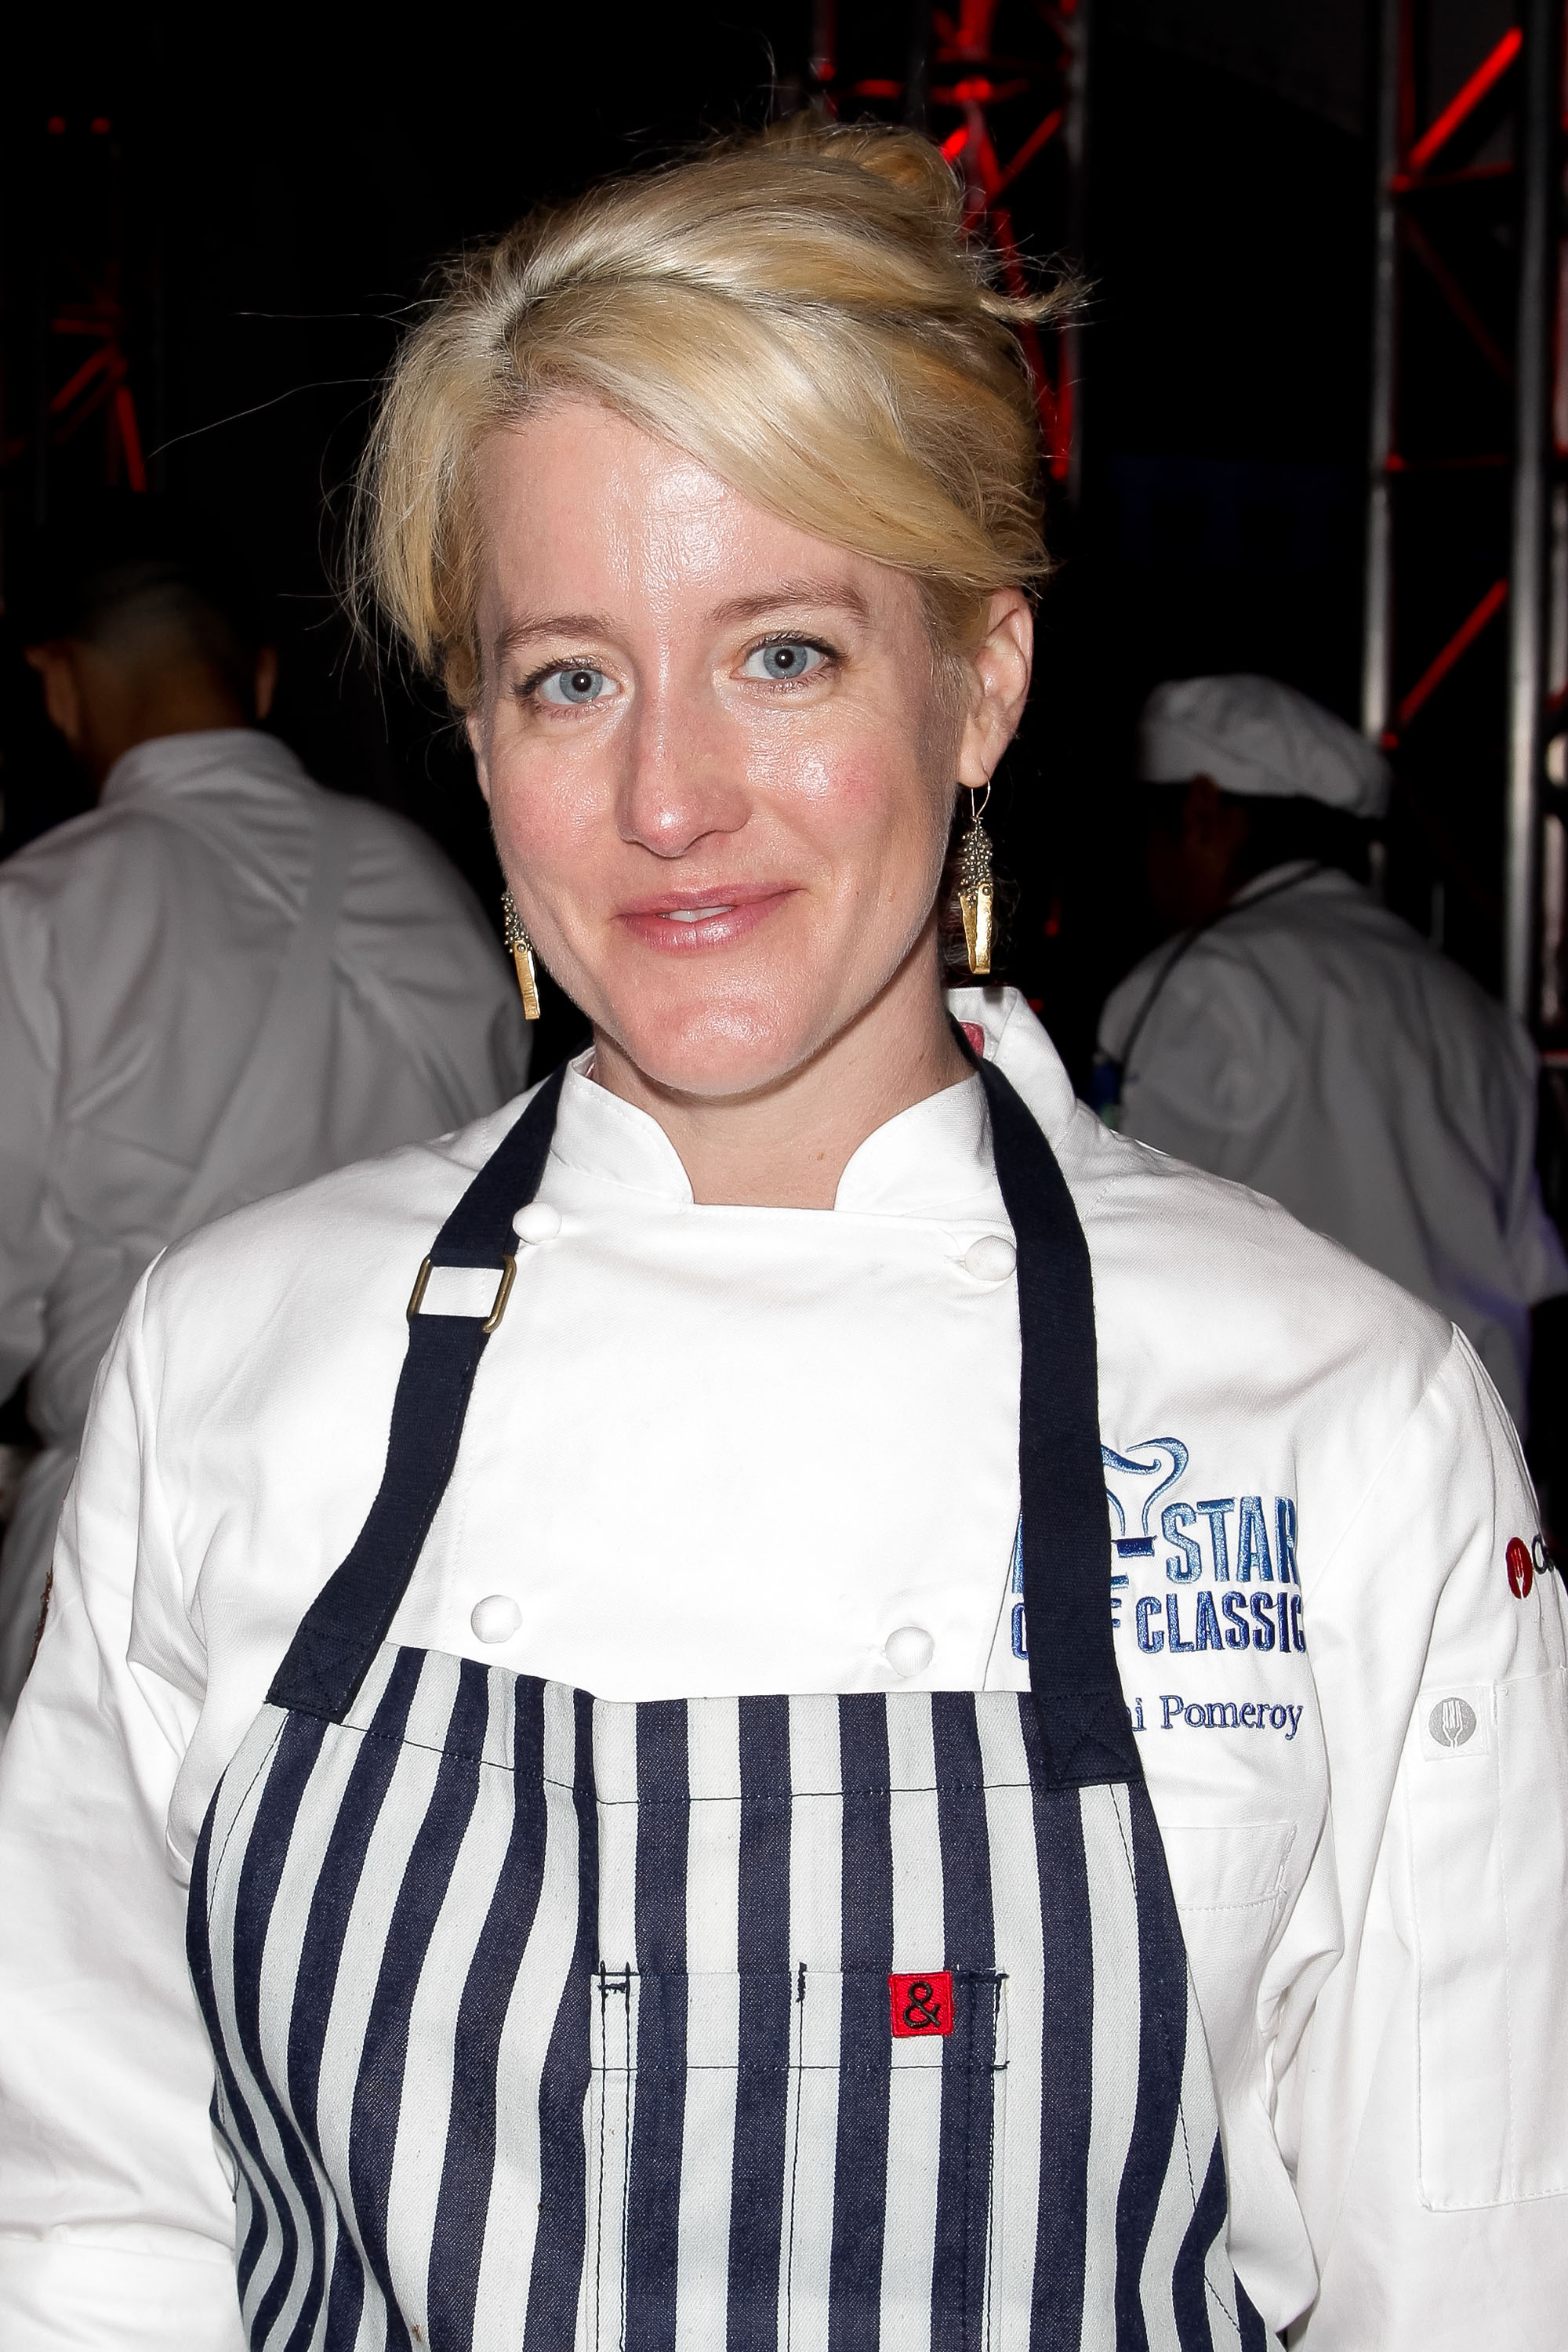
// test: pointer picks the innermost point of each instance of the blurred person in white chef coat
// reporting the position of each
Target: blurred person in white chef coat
(786, 1697)
(220, 981)
(1299, 1038)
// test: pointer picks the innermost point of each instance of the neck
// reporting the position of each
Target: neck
(185, 702)
(786, 1145)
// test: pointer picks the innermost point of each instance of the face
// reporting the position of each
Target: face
(1190, 851)
(719, 754)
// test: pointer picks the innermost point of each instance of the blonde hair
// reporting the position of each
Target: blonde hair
(800, 311)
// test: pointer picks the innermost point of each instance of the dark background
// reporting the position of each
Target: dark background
(274, 193)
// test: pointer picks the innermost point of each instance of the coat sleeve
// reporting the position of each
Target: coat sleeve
(32, 1240)
(1423, 2105)
(116, 2214)
(1210, 1071)
(1532, 1243)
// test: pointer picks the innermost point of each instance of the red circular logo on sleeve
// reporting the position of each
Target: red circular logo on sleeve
(1520, 1569)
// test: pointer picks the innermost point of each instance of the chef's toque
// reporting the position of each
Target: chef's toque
(1259, 739)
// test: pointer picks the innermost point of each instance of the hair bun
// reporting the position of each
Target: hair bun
(900, 157)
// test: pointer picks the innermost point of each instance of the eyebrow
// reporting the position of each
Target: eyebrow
(554, 624)
(838, 596)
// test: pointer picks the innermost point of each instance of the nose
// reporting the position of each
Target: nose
(683, 781)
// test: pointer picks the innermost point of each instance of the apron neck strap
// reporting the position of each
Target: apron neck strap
(351, 1615)
(1084, 1724)
(1066, 1525)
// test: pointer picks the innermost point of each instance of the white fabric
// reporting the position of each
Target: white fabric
(1256, 737)
(1319, 1051)
(154, 1069)
(722, 1450)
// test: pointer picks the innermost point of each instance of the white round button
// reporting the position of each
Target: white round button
(496, 1619)
(990, 1259)
(538, 1222)
(909, 1650)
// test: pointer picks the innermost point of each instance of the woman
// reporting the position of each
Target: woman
(711, 1865)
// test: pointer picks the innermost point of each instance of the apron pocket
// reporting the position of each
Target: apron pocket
(763, 2148)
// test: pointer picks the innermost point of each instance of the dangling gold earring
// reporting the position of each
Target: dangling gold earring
(521, 947)
(976, 889)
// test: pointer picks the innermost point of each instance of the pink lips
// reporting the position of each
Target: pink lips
(683, 923)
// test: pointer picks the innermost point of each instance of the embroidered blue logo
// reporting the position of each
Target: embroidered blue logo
(1124, 1496)
(1216, 1540)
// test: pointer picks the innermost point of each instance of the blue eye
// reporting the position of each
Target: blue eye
(783, 661)
(573, 683)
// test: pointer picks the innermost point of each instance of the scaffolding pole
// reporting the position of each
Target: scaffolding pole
(1525, 667)
(1521, 69)
(1377, 647)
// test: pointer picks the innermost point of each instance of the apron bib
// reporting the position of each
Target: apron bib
(833, 2023)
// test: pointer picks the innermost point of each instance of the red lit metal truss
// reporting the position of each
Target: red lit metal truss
(1433, 185)
(959, 87)
(99, 386)
(82, 376)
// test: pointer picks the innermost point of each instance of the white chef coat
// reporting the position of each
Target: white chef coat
(1318, 1049)
(153, 1074)
(732, 1450)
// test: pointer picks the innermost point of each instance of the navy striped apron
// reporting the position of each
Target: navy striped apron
(861, 2023)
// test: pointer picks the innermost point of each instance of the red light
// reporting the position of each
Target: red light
(100, 126)
(1031, 147)
(1461, 641)
(56, 126)
(130, 438)
(1490, 70)
(953, 146)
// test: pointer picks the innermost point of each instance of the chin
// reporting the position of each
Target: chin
(717, 1045)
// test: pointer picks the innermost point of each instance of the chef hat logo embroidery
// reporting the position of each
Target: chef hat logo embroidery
(1141, 1544)
(1452, 1722)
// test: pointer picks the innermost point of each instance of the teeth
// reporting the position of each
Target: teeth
(694, 914)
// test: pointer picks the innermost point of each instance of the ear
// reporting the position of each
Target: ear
(266, 681)
(1201, 812)
(473, 725)
(1001, 664)
(1213, 830)
(1210, 818)
(62, 690)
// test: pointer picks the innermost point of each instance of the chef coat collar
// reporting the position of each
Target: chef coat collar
(1015, 1039)
(932, 1160)
(1305, 872)
(170, 764)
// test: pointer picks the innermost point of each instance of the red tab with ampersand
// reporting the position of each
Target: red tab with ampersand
(921, 2003)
